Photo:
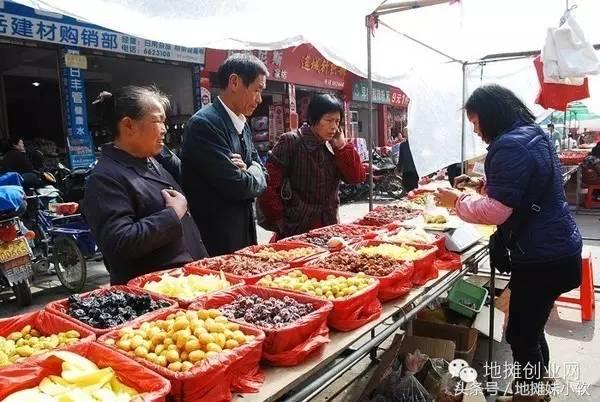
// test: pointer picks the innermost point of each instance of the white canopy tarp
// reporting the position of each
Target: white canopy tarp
(467, 31)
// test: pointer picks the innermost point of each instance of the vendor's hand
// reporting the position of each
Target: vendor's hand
(238, 161)
(339, 140)
(446, 197)
(175, 200)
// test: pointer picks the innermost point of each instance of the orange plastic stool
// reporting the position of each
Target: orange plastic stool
(586, 291)
(589, 201)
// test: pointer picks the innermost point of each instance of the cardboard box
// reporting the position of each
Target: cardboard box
(401, 345)
(464, 338)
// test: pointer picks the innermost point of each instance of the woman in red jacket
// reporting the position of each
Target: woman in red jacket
(305, 170)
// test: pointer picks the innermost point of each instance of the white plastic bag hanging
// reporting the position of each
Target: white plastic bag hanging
(568, 58)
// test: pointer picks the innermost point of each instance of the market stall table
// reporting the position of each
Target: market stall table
(281, 380)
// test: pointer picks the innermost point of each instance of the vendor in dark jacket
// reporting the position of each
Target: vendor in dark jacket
(524, 195)
(222, 173)
(135, 208)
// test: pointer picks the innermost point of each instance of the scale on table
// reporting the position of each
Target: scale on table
(461, 238)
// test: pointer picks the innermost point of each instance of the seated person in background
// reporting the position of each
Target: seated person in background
(16, 160)
(570, 142)
(134, 206)
(591, 167)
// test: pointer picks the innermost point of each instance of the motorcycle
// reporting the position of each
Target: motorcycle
(386, 180)
(16, 256)
(71, 183)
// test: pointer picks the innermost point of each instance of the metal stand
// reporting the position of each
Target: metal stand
(492, 306)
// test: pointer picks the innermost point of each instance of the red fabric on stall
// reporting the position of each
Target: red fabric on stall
(151, 386)
(46, 323)
(217, 377)
(352, 311)
(557, 96)
(285, 346)
(140, 281)
(60, 307)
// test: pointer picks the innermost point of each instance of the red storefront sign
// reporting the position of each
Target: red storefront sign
(398, 98)
(302, 65)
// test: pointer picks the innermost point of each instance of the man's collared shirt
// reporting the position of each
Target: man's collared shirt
(238, 121)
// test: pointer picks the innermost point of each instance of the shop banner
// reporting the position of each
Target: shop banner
(79, 140)
(196, 72)
(360, 92)
(302, 65)
(20, 22)
(398, 98)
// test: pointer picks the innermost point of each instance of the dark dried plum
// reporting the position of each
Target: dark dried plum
(111, 309)
(267, 313)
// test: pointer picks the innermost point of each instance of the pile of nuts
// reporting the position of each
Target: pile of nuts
(268, 253)
(266, 313)
(349, 261)
(240, 265)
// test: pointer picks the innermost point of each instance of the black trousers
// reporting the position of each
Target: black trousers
(533, 290)
(410, 181)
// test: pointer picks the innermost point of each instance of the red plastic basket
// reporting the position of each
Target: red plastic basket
(284, 346)
(297, 262)
(348, 312)
(151, 386)
(391, 286)
(140, 281)
(424, 267)
(46, 323)
(217, 376)
(214, 264)
(60, 307)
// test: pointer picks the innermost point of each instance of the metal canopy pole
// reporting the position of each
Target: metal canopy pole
(463, 131)
(371, 128)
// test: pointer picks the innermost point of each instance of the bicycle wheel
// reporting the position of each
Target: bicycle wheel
(69, 263)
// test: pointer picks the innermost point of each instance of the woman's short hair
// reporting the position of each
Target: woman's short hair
(246, 66)
(129, 101)
(498, 109)
(322, 104)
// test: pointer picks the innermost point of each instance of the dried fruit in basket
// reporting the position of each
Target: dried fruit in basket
(416, 235)
(397, 252)
(240, 265)
(270, 254)
(266, 313)
(182, 340)
(80, 380)
(20, 345)
(348, 261)
(111, 309)
(333, 287)
(187, 286)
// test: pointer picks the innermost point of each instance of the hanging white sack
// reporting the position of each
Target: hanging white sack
(567, 56)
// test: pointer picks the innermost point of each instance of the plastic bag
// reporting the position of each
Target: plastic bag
(397, 388)
(60, 308)
(140, 281)
(151, 386)
(449, 261)
(217, 377)
(47, 324)
(352, 311)
(289, 345)
(414, 362)
(279, 246)
(213, 264)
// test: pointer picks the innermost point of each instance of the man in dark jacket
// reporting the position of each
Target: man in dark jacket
(221, 171)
